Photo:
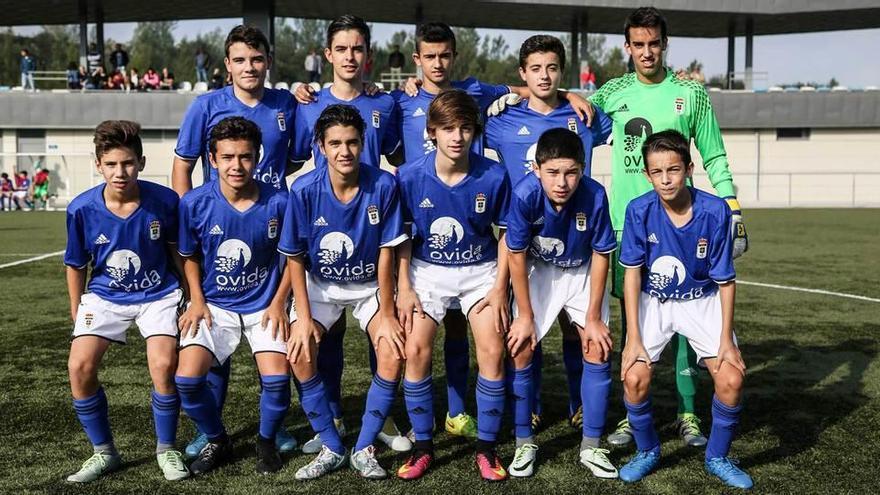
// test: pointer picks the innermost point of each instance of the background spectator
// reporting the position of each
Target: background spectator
(99, 79)
(396, 61)
(151, 79)
(167, 80)
(94, 58)
(119, 59)
(134, 80)
(41, 188)
(588, 78)
(28, 65)
(116, 80)
(313, 66)
(74, 80)
(22, 194)
(201, 65)
(217, 79)
(6, 189)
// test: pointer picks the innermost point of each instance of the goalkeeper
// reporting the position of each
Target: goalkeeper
(640, 103)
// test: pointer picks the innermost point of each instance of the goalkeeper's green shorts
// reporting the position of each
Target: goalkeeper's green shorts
(617, 270)
(40, 191)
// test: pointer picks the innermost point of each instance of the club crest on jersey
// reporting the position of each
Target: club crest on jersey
(273, 228)
(572, 124)
(155, 230)
(480, 203)
(702, 248)
(376, 115)
(89, 318)
(282, 124)
(373, 214)
(679, 105)
(580, 221)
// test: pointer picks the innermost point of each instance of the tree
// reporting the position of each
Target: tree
(152, 45)
(293, 40)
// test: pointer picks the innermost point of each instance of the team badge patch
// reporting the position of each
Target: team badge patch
(572, 124)
(580, 221)
(702, 248)
(282, 124)
(273, 228)
(373, 214)
(155, 230)
(89, 318)
(376, 115)
(679, 105)
(480, 203)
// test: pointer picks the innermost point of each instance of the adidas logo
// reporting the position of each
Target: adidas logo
(539, 221)
(523, 131)
(216, 230)
(623, 108)
(320, 222)
(419, 112)
(102, 239)
(377, 414)
(426, 203)
(418, 410)
(688, 372)
(653, 238)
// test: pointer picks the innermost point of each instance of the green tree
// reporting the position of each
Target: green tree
(152, 45)
(293, 40)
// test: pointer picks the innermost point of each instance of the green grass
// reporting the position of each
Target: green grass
(812, 403)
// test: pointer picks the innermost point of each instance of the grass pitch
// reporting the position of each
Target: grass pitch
(812, 402)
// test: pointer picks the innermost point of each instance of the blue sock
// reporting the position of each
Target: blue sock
(313, 397)
(521, 388)
(379, 400)
(218, 382)
(92, 414)
(573, 360)
(537, 378)
(595, 387)
(166, 410)
(641, 420)
(456, 355)
(198, 403)
(419, 398)
(724, 422)
(331, 361)
(490, 408)
(274, 402)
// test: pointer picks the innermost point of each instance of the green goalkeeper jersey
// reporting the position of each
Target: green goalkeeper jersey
(639, 110)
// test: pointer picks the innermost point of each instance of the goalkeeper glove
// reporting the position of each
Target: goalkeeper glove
(737, 228)
(500, 104)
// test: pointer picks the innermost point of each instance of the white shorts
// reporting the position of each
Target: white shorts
(698, 320)
(441, 287)
(110, 321)
(553, 289)
(20, 194)
(226, 330)
(328, 300)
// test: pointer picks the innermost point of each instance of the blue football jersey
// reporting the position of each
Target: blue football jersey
(238, 249)
(274, 115)
(565, 238)
(129, 256)
(380, 134)
(413, 117)
(452, 225)
(341, 242)
(679, 263)
(514, 135)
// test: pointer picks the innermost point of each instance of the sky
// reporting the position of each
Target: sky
(778, 59)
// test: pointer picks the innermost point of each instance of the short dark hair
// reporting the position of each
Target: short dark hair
(249, 35)
(339, 114)
(348, 22)
(454, 107)
(541, 43)
(645, 17)
(669, 140)
(236, 129)
(559, 142)
(435, 32)
(112, 134)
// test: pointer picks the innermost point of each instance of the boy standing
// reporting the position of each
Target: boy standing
(123, 229)
(678, 255)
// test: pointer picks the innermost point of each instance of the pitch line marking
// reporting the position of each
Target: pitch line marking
(30, 260)
(811, 291)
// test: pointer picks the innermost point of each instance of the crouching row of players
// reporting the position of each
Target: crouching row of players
(399, 252)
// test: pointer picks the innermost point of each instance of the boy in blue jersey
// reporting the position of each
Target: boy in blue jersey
(451, 199)
(678, 254)
(513, 134)
(247, 61)
(229, 230)
(348, 49)
(343, 223)
(123, 229)
(559, 236)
